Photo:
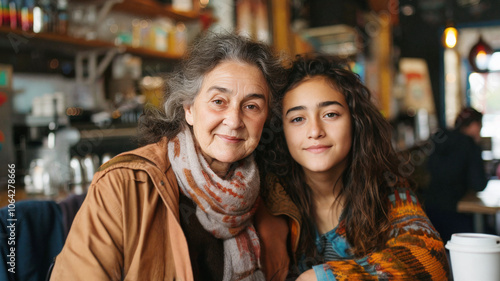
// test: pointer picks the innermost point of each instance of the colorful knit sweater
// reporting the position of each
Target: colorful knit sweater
(414, 250)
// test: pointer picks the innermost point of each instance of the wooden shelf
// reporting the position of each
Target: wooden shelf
(108, 133)
(18, 35)
(68, 44)
(154, 9)
(79, 44)
(151, 53)
(149, 8)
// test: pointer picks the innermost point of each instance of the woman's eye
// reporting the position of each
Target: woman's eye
(251, 106)
(330, 115)
(297, 119)
(217, 102)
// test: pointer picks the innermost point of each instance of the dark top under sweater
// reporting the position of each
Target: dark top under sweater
(205, 251)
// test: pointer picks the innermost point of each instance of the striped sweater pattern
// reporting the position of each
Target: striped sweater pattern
(414, 250)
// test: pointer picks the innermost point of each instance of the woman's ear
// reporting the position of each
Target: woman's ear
(188, 114)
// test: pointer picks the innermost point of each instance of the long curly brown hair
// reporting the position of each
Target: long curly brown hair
(372, 169)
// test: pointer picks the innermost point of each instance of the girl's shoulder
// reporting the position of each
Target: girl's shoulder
(402, 191)
(404, 205)
(402, 194)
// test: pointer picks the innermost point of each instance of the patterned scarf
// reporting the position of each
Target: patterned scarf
(225, 207)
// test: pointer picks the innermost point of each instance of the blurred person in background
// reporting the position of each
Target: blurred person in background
(455, 167)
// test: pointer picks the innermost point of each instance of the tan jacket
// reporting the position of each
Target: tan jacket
(128, 227)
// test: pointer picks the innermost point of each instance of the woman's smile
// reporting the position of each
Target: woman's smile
(230, 139)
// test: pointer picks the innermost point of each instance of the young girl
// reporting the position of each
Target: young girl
(336, 177)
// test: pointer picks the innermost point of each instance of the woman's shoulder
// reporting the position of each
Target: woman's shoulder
(277, 200)
(122, 167)
(142, 158)
(131, 169)
(128, 178)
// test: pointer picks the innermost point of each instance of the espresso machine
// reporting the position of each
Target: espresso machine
(44, 138)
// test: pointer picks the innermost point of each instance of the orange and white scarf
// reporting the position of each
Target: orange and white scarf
(225, 207)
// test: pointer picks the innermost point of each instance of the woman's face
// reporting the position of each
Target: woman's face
(229, 112)
(317, 126)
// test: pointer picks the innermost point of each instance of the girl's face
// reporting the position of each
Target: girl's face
(317, 126)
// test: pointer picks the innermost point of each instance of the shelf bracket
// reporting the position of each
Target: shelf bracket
(89, 68)
(99, 14)
(103, 12)
(93, 68)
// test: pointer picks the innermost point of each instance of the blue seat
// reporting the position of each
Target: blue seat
(38, 234)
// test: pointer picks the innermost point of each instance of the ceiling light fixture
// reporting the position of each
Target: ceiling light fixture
(480, 55)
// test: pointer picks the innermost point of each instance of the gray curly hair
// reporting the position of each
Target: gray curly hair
(182, 86)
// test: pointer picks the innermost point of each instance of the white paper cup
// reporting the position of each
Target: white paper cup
(475, 256)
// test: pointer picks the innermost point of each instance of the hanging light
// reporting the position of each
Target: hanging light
(450, 34)
(450, 37)
(479, 55)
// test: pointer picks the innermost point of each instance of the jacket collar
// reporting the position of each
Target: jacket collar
(152, 159)
(155, 153)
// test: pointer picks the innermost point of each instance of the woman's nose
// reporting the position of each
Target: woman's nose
(232, 118)
(315, 129)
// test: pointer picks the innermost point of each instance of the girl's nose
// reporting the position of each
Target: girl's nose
(315, 130)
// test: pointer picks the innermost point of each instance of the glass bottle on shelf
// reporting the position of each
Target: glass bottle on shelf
(13, 14)
(62, 17)
(38, 23)
(1, 12)
(89, 22)
(178, 38)
(124, 35)
(76, 21)
(161, 28)
(47, 15)
(27, 15)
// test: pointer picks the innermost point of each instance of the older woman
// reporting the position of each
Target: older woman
(181, 207)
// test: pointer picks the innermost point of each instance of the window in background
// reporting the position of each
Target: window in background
(484, 95)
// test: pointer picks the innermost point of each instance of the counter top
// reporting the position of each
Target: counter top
(20, 194)
(484, 202)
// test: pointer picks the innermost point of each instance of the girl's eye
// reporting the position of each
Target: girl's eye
(331, 115)
(297, 119)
